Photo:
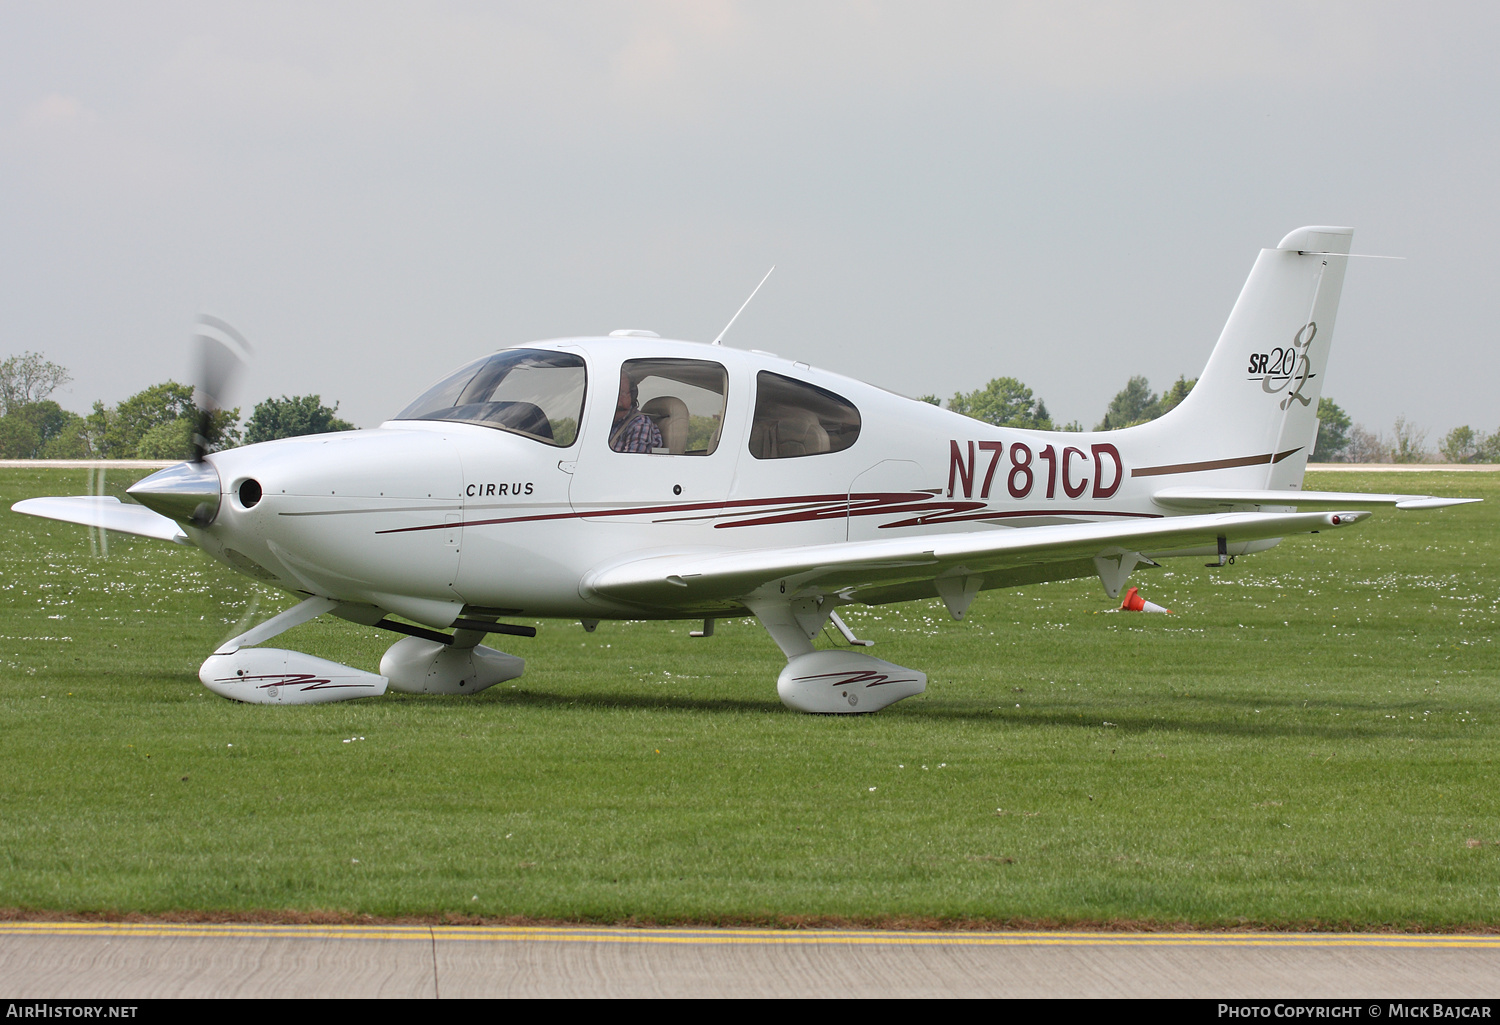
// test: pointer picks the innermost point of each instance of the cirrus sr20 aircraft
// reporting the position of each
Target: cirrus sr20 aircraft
(631, 477)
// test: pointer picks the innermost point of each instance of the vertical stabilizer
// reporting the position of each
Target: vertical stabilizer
(1259, 393)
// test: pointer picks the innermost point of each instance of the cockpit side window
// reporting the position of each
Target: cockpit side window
(535, 393)
(794, 418)
(669, 407)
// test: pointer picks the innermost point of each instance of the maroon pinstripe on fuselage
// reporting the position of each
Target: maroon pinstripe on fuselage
(929, 510)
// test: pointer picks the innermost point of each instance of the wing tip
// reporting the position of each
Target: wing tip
(1433, 502)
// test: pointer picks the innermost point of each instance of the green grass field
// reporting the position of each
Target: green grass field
(1310, 741)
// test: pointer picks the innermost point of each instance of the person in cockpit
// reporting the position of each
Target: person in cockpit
(633, 431)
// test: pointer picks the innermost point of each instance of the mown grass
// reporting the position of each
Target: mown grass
(1309, 741)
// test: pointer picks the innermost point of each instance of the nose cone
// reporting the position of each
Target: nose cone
(187, 492)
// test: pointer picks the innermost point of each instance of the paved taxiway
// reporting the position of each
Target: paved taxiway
(77, 960)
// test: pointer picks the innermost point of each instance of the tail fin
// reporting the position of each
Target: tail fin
(1258, 396)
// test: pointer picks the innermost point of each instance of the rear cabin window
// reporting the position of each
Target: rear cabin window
(682, 398)
(794, 418)
(535, 393)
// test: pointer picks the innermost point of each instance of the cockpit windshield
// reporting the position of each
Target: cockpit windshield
(536, 393)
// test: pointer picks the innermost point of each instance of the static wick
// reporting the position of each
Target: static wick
(742, 308)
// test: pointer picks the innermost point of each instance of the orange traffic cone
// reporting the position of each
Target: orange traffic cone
(1135, 603)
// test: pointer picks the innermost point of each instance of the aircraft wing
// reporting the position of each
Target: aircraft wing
(693, 579)
(1209, 498)
(105, 511)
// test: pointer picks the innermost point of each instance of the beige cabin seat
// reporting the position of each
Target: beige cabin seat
(763, 439)
(671, 416)
(800, 434)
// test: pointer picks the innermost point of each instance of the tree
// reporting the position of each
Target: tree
(1466, 445)
(1173, 396)
(27, 431)
(292, 418)
(156, 411)
(118, 431)
(1366, 447)
(1004, 402)
(1133, 404)
(71, 442)
(1333, 432)
(172, 439)
(1460, 445)
(1411, 443)
(1488, 450)
(1137, 404)
(18, 438)
(28, 378)
(223, 429)
(931, 400)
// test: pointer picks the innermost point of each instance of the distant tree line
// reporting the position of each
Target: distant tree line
(1136, 403)
(1340, 440)
(156, 423)
(1407, 443)
(1006, 402)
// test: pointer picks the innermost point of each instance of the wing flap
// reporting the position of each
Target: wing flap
(1209, 498)
(105, 511)
(683, 579)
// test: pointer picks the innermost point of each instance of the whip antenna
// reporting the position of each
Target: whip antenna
(737, 312)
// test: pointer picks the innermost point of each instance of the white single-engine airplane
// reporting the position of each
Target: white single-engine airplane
(631, 477)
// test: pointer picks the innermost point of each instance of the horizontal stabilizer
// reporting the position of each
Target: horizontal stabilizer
(1212, 498)
(105, 511)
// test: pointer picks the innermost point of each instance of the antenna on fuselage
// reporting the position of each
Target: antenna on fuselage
(737, 312)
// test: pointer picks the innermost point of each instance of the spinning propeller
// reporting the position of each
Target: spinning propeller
(189, 492)
(222, 353)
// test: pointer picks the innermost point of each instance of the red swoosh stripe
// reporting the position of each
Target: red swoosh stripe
(803, 508)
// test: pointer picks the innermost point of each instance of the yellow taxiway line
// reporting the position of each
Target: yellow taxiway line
(566, 934)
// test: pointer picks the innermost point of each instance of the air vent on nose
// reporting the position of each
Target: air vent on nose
(249, 492)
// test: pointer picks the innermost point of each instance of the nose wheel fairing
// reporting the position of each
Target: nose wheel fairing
(274, 676)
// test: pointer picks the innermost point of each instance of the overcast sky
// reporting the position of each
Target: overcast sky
(1067, 193)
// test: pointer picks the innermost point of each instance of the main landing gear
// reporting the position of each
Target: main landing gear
(832, 681)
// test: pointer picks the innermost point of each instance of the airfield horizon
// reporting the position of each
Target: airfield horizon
(158, 464)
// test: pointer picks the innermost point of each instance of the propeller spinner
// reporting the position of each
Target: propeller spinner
(189, 492)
